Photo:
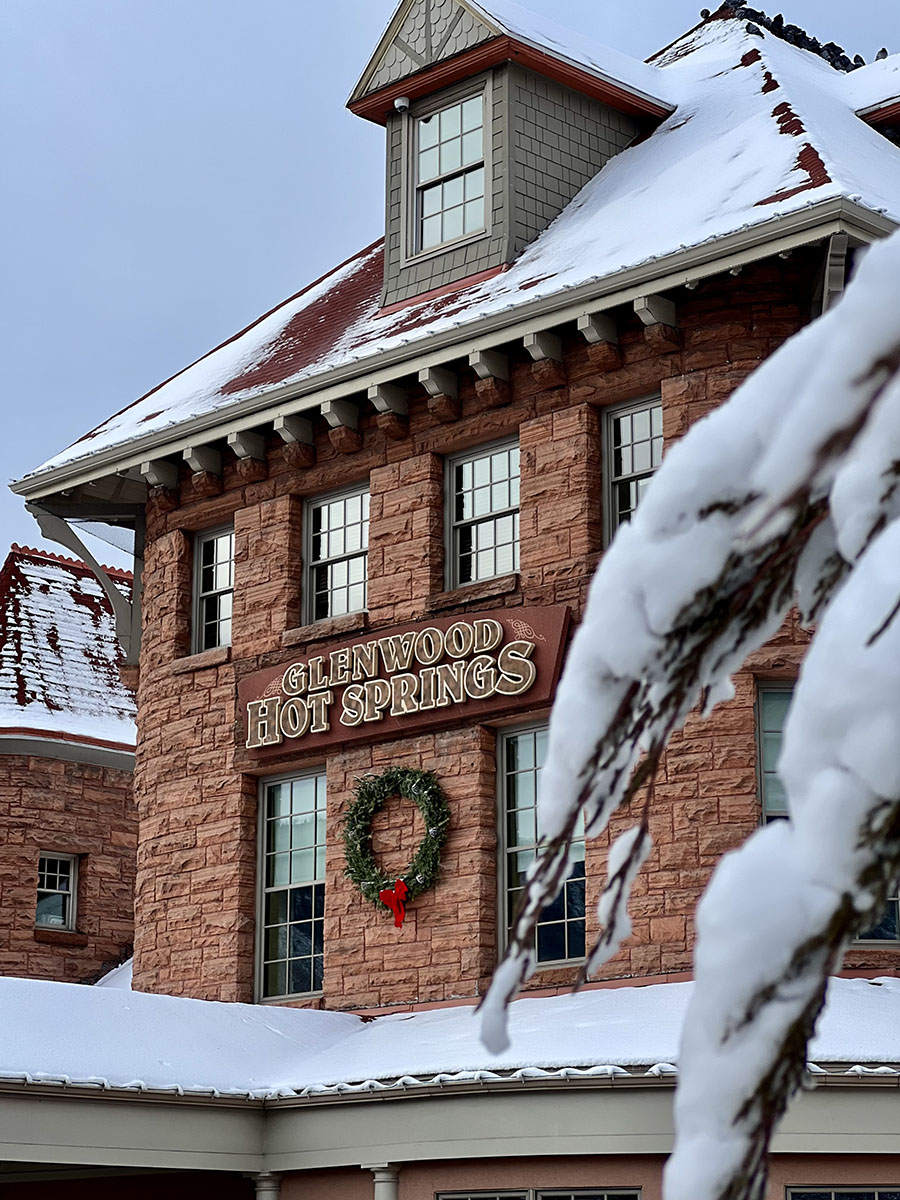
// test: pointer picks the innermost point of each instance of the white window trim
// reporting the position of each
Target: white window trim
(451, 563)
(409, 255)
(308, 597)
(206, 535)
(71, 925)
(609, 415)
(502, 736)
(259, 948)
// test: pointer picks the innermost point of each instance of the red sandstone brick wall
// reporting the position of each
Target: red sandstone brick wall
(71, 808)
(197, 790)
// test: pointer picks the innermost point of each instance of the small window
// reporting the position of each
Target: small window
(213, 588)
(292, 866)
(484, 487)
(56, 891)
(634, 446)
(449, 174)
(773, 702)
(337, 552)
(559, 935)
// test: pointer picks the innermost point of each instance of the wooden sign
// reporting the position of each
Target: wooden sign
(405, 679)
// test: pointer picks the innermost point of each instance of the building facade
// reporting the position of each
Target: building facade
(364, 553)
(67, 823)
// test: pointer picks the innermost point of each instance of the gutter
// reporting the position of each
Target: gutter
(399, 1090)
(777, 235)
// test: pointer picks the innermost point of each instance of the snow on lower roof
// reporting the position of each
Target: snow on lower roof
(106, 1037)
(876, 84)
(762, 130)
(59, 655)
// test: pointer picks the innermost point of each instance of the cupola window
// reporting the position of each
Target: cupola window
(450, 173)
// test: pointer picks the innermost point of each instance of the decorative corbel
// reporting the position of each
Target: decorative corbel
(248, 445)
(493, 383)
(250, 450)
(203, 460)
(343, 421)
(600, 332)
(160, 473)
(206, 470)
(548, 367)
(393, 409)
(660, 319)
(442, 387)
(299, 443)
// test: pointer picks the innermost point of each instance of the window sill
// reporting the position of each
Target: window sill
(472, 593)
(60, 937)
(217, 657)
(320, 631)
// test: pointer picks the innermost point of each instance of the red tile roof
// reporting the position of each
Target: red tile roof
(59, 656)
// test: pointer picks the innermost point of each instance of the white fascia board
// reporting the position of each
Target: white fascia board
(39, 1126)
(35, 746)
(808, 225)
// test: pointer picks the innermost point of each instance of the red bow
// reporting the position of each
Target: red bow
(395, 899)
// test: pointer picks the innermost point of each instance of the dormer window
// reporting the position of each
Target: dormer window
(450, 174)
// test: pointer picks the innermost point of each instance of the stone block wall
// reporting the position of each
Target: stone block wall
(196, 785)
(50, 805)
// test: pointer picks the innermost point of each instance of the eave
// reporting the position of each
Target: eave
(377, 105)
(81, 484)
(93, 1126)
(885, 112)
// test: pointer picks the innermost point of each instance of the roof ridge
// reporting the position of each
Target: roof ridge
(831, 52)
(49, 556)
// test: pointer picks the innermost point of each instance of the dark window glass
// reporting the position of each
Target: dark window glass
(559, 936)
(294, 887)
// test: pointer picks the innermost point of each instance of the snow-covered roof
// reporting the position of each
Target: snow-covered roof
(546, 34)
(59, 656)
(109, 1038)
(120, 977)
(874, 86)
(763, 130)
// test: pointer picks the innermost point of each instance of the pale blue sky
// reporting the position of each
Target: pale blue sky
(173, 168)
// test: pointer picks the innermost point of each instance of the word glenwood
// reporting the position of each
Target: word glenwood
(417, 680)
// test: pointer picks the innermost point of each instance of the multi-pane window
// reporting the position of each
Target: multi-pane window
(450, 176)
(338, 549)
(214, 589)
(559, 935)
(484, 514)
(634, 451)
(772, 712)
(293, 886)
(551, 1194)
(773, 702)
(56, 891)
(845, 1193)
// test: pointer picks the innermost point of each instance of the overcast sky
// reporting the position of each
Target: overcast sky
(173, 168)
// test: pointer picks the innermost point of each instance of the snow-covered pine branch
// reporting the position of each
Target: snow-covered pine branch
(790, 489)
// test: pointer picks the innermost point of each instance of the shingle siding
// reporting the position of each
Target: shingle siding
(546, 143)
(560, 141)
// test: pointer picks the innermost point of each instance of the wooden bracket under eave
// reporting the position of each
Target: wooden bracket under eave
(442, 386)
(393, 410)
(299, 443)
(548, 367)
(343, 421)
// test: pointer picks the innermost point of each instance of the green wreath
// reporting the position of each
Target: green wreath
(369, 795)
